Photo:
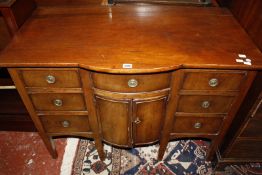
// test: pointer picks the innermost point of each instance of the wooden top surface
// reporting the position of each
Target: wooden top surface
(152, 38)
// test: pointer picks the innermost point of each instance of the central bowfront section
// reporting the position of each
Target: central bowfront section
(128, 110)
(131, 108)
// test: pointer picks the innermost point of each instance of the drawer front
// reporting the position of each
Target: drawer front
(58, 102)
(59, 124)
(55, 78)
(253, 128)
(204, 103)
(197, 125)
(131, 83)
(213, 80)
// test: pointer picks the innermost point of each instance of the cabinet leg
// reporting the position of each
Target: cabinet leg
(162, 148)
(50, 145)
(211, 152)
(100, 149)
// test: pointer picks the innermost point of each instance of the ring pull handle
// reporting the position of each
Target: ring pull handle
(50, 79)
(197, 125)
(65, 124)
(58, 102)
(132, 83)
(213, 82)
(205, 104)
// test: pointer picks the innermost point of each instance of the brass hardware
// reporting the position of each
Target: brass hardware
(205, 104)
(137, 121)
(213, 82)
(50, 79)
(197, 125)
(58, 102)
(65, 124)
(132, 83)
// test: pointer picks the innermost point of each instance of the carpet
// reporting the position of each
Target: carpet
(181, 157)
(247, 169)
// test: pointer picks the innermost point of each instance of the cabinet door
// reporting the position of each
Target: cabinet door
(148, 116)
(115, 124)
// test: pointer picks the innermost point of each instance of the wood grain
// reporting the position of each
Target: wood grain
(104, 38)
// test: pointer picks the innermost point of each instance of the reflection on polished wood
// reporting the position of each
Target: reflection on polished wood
(152, 38)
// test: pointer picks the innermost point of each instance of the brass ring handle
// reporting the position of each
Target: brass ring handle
(197, 125)
(58, 102)
(50, 79)
(65, 124)
(132, 83)
(205, 104)
(213, 82)
(137, 121)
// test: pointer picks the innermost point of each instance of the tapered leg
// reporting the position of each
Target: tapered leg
(50, 145)
(162, 148)
(100, 149)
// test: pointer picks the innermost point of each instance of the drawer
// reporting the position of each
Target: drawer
(58, 124)
(197, 125)
(131, 83)
(204, 103)
(56, 78)
(212, 80)
(253, 128)
(58, 102)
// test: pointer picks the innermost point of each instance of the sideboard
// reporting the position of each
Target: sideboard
(132, 75)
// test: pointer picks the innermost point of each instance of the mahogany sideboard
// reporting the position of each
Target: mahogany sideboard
(131, 75)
